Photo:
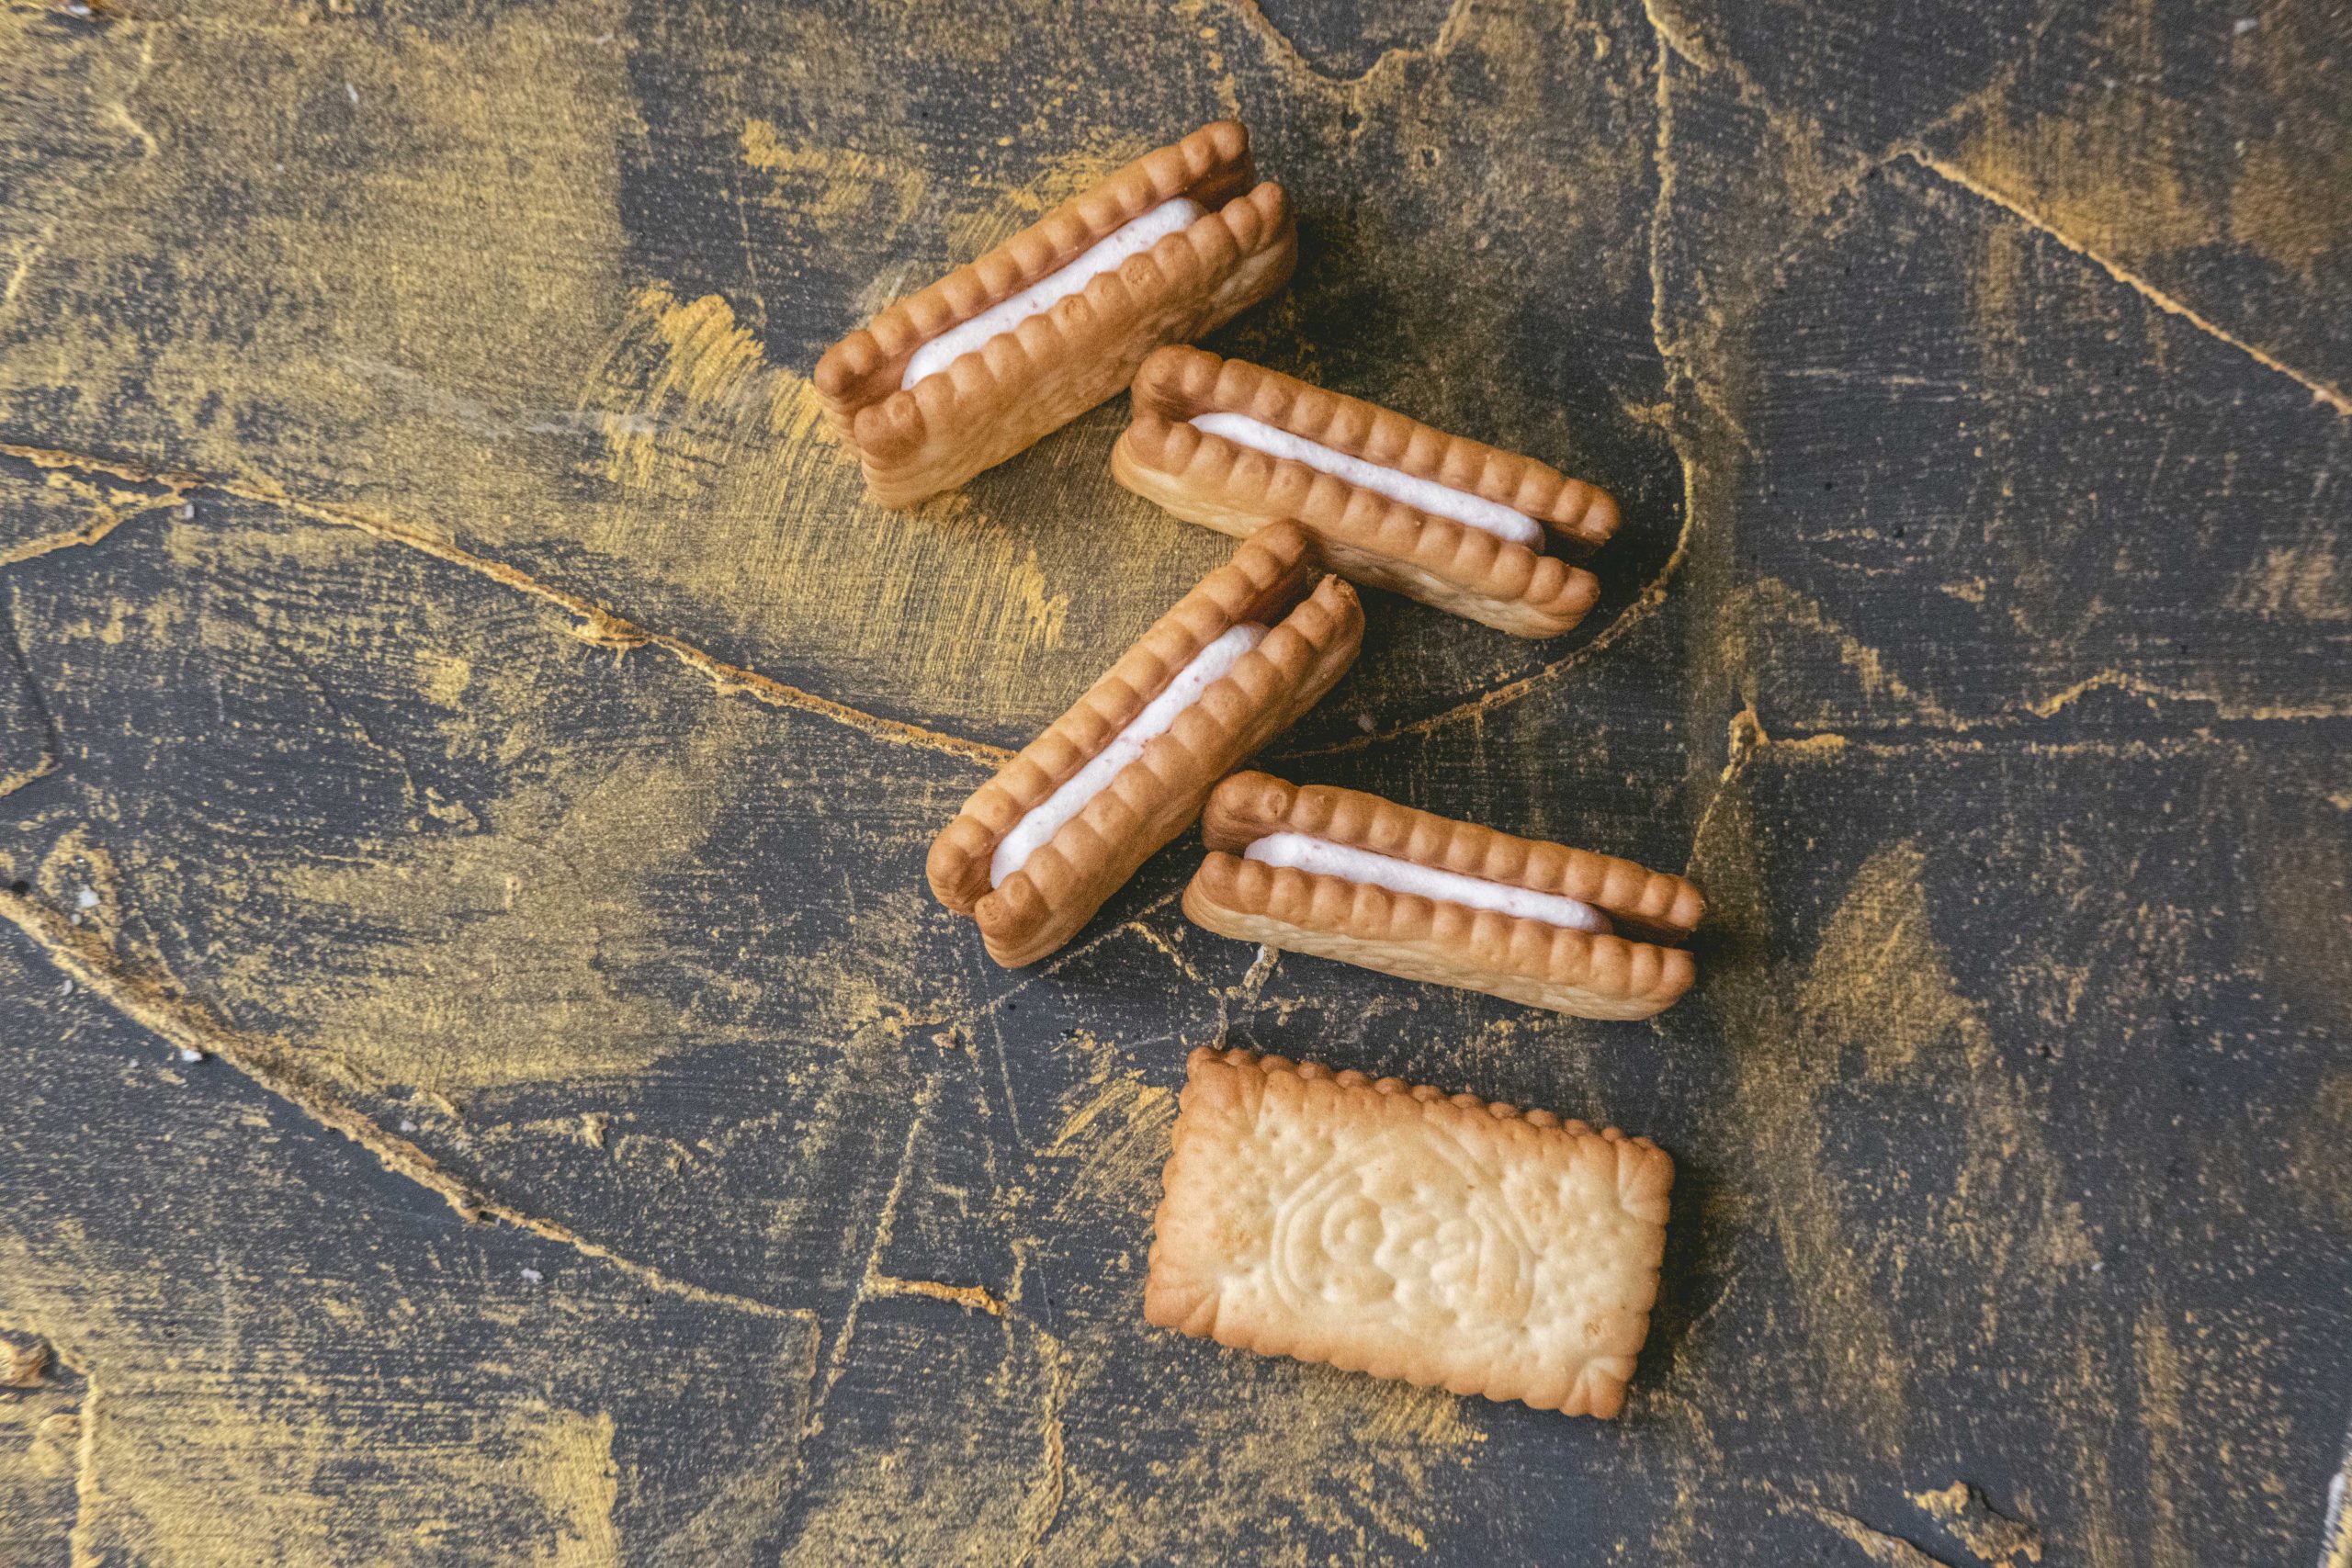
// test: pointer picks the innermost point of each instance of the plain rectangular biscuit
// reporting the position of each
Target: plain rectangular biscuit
(917, 441)
(1316, 628)
(1391, 1229)
(1627, 974)
(1206, 479)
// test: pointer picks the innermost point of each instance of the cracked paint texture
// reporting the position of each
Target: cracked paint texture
(486, 1084)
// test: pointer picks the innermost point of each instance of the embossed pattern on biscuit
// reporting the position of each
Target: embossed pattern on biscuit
(1626, 974)
(915, 440)
(1317, 627)
(1394, 1230)
(1372, 538)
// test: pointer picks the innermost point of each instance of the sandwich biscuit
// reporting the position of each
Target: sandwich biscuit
(963, 374)
(1391, 502)
(1037, 849)
(1348, 875)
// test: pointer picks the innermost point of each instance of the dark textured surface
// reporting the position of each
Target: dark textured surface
(453, 692)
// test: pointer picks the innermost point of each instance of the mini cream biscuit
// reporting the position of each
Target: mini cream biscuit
(1593, 940)
(1234, 689)
(1391, 502)
(963, 374)
(1392, 1229)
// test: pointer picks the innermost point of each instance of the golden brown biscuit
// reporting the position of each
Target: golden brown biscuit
(917, 441)
(1367, 537)
(1392, 1229)
(1420, 938)
(1314, 629)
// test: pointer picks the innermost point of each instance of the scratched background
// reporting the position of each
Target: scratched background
(484, 1082)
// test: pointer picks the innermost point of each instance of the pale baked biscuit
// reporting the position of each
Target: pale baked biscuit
(1626, 971)
(1391, 1229)
(1022, 383)
(1465, 558)
(1314, 628)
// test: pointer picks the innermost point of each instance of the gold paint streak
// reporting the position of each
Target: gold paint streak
(1785, 1082)
(2325, 392)
(1044, 1504)
(44, 765)
(1747, 740)
(596, 623)
(701, 429)
(2162, 1422)
(557, 889)
(885, 1226)
(1879, 984)
(1887, 1550)
(107, 514)
(2122, 681)
(1174, 955)
(81, 955)
(2107, 167)
(971, 1298)
(1793, 609)
(827, 187)
(81, 1551)
(1978, 1526)
(23, 1366)
(568, 1458)
(444, 677)
(1137, 1098)
(2320, 1157)
(2305, 579)
(1283, 50)
(1253, 979)
(1676, 34)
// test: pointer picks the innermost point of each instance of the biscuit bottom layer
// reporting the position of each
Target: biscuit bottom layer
(1427, 495)
(1132, 238)
(1044, 820)
(1323, 858)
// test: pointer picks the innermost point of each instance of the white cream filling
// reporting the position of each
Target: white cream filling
(1320, 855)
(1428, 495)
(1132, 238)
(1208, 667)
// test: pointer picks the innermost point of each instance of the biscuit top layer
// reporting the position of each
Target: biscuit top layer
(1180, 383)
(1271, 579)
(1043, 821)
(1212, 166)
(1642, 903)
(1209, 1056)
(1107, 254)
(1426, 495)
(1396, 1230)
